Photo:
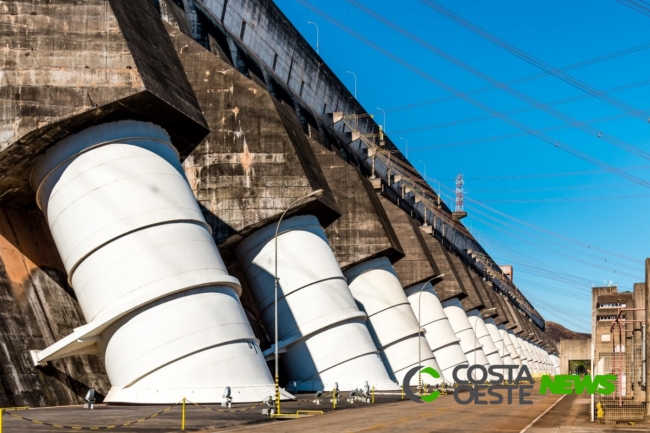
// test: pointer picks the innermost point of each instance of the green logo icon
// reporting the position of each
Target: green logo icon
(406, 384)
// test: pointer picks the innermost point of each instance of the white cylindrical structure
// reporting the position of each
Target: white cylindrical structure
(319, 324)
(484, 337)
(515, 342)
(542, 359)
(556, 364)
(525, 356)
(392, 323)
(439, 333)
(143, 263)
(547, 363)
(532, 354)
(498, 341)
(519, 360)
(465, 332)
(510, 347)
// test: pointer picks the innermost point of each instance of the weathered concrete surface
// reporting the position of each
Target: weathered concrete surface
(38, 308)
(473, 299)
(363, 231)
(573, 350)
(490, 298)
(417, 265)
(67, 67)
(449, 287)
(256, 160)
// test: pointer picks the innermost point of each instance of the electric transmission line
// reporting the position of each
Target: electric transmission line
(476, 103)
(537, 62)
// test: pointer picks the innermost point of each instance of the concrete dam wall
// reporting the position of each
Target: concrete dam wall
(148, 150)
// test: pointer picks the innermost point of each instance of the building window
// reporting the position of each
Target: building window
(302, 87)
(275, 61)
(243, 30)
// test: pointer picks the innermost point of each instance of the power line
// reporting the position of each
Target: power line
(565, 247)
(538, 267)
(499, 137)
(556, 235)
(535, 77)
(526, 109)
(476, 103)
(548, 232)
(547, 189)
(584, 127)
(567, 199)
(537, 62)
(636, 6)
(561, 254)
(560, 174)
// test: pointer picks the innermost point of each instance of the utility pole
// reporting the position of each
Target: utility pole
(407, 146)
(355, 83)
(382, 110)
(317, 37)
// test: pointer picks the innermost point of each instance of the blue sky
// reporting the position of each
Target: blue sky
(565, 224)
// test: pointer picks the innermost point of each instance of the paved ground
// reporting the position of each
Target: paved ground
(442, 415)
(390, 414)
(197, 418)
(571, 415)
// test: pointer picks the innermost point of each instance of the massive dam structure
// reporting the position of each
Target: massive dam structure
(149, 150)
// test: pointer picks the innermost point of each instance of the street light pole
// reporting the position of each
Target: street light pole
(317, 37)
(384, 111)
(425, 169)
(420, 331)
(355, 83)
(407, 146)
(317, 193)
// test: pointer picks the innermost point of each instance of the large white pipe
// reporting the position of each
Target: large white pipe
(483, 335)
(439, 333)
(498, 342)
(391, 321)
(540, 357)
(556, 364)
(510, 347)
(535, 358)
(519, 358)
(147, 274)
(319, 323)
(524, 355)
(465, 332)
(547, 361)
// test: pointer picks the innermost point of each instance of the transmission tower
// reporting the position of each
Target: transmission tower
(459, 213)
(460, 181)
